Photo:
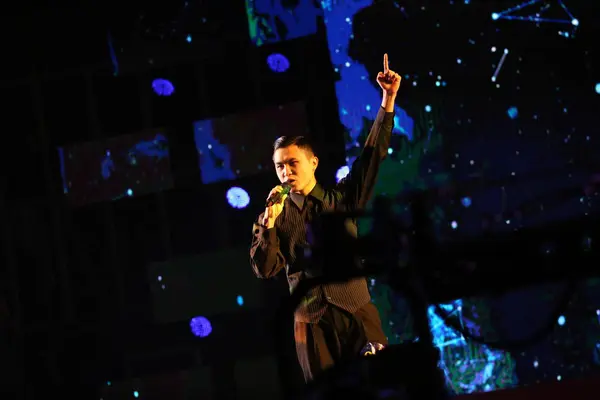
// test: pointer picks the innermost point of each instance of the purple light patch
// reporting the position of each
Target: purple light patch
(278, 62)
(200, 327)
(162, 87)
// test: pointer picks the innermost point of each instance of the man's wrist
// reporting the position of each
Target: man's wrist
(388, 101)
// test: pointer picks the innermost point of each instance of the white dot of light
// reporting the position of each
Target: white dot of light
(238, 197)
(240, 301)
(136, 394)
(342, 173)
(575, 22)
(536, 364)
(129, 192)
(188, 39)
(495, 16)
(428, 108)
(200, 327)
(562, 320)
(454, 224)
(390, 150)
(598, 88)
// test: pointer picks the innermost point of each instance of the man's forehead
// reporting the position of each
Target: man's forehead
(288, 153)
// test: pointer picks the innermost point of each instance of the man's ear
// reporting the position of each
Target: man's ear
(315, 162)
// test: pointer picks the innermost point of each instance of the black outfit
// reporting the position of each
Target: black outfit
(334, 320)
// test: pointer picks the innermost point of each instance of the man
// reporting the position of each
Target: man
(335, 321)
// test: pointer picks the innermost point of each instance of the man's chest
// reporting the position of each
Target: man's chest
(297, 224)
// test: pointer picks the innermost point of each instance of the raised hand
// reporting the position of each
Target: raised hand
(271, 213)
(388, 80)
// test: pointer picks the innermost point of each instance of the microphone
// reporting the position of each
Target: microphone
(276, 197)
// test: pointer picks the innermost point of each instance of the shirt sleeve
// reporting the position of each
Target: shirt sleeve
(265, 255)
(357, 187)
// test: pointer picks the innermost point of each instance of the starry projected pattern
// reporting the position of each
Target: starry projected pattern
(498, 152)
(540, 11)
(111, 169)
(241, 145)
(272, 21)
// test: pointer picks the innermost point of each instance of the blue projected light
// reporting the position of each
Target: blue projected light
(272, 21)
(200, 327)
(115, 168)
(354, 89)
(452, 346)
(342, 173)
(466, 202)
(238, 145)
(215, 158)
(240, 301)
(162, 87)
(598, 88)
(467, 367)
(536, 16)
(513, 112)
(278, 62)
(238, 197)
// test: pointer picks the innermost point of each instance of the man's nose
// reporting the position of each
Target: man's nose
(286, 171)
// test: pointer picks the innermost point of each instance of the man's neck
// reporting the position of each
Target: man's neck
(309, 188)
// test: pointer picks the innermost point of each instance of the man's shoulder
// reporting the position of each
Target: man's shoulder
(333, 193)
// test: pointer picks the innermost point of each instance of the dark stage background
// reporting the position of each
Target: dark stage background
(137, 155)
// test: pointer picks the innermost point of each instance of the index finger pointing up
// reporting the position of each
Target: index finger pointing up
(386, 66)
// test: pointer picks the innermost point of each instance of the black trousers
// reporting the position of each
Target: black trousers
(338, 337)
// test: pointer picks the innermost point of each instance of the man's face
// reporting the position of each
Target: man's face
(295, 166)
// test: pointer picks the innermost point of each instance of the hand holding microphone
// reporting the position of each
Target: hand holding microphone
(274, 204)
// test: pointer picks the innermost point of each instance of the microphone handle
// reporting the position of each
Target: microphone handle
(276, 198)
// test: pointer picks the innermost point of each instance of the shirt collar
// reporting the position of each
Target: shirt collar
(317, 193)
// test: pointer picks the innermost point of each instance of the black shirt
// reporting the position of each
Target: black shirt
(284, 245)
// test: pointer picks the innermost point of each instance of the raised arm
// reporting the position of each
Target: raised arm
(358, 185)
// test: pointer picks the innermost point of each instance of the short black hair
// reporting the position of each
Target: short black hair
(301, 141)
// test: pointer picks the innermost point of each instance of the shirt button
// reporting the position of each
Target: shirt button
(329, 298)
